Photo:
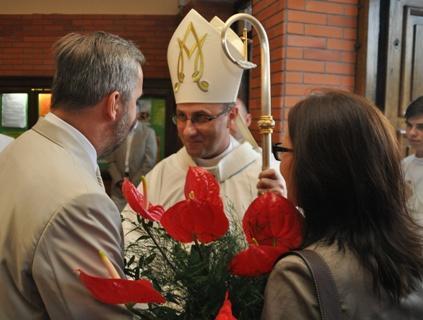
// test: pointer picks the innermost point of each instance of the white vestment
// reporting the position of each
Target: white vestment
(237, 173)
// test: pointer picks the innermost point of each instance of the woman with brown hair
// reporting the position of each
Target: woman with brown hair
(342, 168)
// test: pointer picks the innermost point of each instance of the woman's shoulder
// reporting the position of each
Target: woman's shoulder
(355, 288)
(289, 292)
(344, 266)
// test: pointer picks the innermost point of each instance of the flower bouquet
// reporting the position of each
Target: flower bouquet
(200, 265)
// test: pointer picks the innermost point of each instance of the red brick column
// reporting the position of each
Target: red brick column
(312, 44)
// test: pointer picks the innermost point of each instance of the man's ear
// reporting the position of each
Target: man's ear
(233, 113)
(248, 119)
(112, 105)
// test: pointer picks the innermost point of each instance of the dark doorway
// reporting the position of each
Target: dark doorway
(390, 60)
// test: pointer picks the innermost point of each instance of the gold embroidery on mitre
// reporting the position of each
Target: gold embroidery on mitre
(198, 60)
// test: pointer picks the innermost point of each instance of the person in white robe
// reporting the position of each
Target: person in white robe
(413, 164)
(205, 84)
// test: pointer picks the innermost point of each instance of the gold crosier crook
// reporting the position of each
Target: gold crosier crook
(266, 122)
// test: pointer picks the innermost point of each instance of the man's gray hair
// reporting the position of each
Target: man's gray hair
(89, 67)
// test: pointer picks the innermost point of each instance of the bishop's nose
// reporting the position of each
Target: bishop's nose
(189, 129)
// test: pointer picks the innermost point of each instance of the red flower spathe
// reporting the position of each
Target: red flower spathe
(202, 185)
(273, 220)
(255, 260)
(121, 291)
(139, 204)
(272, 226)
(201, 216)
(191, 220)
(225, 311)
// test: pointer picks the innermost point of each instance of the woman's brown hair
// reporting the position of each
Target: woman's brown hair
(349, 183)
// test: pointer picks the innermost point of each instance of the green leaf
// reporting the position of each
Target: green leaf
(195, 289)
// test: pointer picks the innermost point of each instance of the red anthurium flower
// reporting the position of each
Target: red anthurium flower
(273, 220)
(272, 226)
(202, 185)
(201, 216)
(190, 220)
(121, 291)
(225, 312)
(255, 260)
(139, 203)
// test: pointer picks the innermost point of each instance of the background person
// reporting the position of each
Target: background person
(413, 164)
(243, 113)
(145, 110)
(344, 171)
(55, 215)
(134, 158)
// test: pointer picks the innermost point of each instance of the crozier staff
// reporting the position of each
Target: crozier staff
(205, 84)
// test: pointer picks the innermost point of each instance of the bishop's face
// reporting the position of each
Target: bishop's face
(204, 128)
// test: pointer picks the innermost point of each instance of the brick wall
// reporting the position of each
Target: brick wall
(208, 10)
(312, 44)
(26, 40)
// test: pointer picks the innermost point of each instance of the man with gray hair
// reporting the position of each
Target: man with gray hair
(55, 214)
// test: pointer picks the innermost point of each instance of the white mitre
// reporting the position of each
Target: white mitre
(199, 69)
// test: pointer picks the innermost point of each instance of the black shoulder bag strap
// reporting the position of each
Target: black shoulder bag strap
(327, 294)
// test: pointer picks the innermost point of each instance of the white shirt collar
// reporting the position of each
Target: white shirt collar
(85, 143)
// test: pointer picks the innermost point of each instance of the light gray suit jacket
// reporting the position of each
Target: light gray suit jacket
(142, 158)
(54, 217)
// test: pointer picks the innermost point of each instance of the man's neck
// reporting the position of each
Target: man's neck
(210, 162)
(82, 121)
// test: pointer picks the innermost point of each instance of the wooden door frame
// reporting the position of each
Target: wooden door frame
(378, 74)
(395, 63)
(368, 49)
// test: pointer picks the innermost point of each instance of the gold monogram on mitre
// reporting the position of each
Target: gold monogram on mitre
(198, 58)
